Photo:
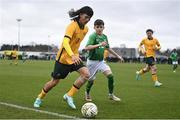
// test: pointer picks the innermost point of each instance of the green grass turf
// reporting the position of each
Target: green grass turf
(21, 84)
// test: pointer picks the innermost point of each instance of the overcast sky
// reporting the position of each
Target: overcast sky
(125, 20)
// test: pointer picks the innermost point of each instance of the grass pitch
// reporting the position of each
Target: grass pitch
(21, 84)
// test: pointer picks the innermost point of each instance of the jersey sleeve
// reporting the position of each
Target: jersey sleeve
(171, 56)
(142, 42)
(70, 30)
(91, 40)
(67, 46)
(157, 43)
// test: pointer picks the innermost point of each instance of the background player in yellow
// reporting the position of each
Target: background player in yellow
(106, 54)
(14, 57)
(67, 59)
(148, 47)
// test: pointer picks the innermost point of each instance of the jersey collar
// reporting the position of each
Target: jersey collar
(150, 39)
(80, 25)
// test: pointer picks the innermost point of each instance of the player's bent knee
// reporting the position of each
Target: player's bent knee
(86, 76)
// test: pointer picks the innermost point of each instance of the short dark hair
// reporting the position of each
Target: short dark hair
(174, 50)
(98, 22)
(149, 30)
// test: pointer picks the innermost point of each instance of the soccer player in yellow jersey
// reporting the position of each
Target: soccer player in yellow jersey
(67, 59)
(14, 57)
(148, 47)
(106, 54)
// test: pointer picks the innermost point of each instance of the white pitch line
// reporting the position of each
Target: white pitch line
(39, 111)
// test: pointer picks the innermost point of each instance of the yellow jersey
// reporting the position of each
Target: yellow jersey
(106, 54)
(150, 46)
(14, 53)
(76, 35)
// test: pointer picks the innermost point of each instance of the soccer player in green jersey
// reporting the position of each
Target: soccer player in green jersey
(97, 44)
(173, 57)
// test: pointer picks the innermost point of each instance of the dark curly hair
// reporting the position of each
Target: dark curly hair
(149, 30)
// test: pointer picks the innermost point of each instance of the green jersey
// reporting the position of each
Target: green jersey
(173, 56)
(97, 53)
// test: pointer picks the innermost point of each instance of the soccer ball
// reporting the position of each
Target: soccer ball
(89, 110)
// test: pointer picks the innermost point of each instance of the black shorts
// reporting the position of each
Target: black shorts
(13, 58)
(62, 70)
(150, 61)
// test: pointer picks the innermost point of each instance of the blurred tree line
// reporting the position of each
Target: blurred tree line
(35, 48)
(53, 48)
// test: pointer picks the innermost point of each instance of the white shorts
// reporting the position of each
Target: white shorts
(96, 66)
(175, 62)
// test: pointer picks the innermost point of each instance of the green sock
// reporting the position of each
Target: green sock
(176, 66)
(110, 83)
(88, 86)
(173, 67)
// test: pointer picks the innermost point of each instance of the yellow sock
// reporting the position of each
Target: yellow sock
(72, 91)
(154, 77)
(16, 61)
(42, 94)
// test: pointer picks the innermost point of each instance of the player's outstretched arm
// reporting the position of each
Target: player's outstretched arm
(141, 49)
(158, 48)
(115, 54)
